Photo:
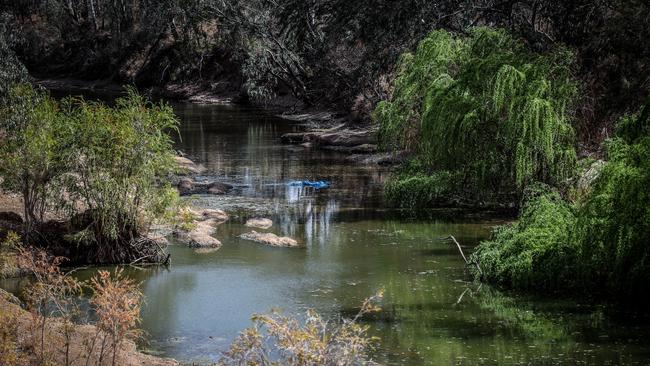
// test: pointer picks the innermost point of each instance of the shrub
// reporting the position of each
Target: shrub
(100, 166)
(600, 244)
(614, 221)
(8, 254)
(118, 156)
(421, 190)
(12, 71)
(35, 151)
(117, 301)
(9, 347)
(282, 340)
(536, 252)
(483, 106)
(51, 294)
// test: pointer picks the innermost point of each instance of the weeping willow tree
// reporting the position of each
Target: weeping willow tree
(598, 245)
(483, 106)
(614, 221)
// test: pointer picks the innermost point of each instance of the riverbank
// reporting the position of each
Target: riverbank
(332, 131)
(20, 338)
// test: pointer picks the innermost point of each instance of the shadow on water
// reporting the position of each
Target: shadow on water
(353, 246)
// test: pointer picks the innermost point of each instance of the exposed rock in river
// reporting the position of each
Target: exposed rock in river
(394, 158)
(198, 233)
(219, 188)
(213, 214)
(270, 239)
(187, 186)
(187, 166)
(338, 138)
(259, 223)
(202, 239)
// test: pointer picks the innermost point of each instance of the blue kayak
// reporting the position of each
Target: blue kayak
(308, 183)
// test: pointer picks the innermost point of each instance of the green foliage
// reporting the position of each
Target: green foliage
(35, 151)
(8, 248)
(101, 165)
(421, 190)
(483, 106)
(534, 252)
(117, 155)
(600, 244)
(614, 222)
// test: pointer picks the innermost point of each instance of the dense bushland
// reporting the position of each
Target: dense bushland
(331, 53)
(598, 243)
(484, 109)
(613, 226)
(99, 167)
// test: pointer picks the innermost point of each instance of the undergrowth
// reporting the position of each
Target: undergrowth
(598, 244)
(536, 251)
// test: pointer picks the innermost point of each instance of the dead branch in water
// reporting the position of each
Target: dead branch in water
(463, 254)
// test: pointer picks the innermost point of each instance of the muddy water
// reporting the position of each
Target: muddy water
(433, 314)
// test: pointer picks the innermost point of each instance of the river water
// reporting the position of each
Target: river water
(433, 313)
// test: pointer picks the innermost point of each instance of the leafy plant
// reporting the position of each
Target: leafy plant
(282, 340)
(35, 151)
(9, 347)
(118, 156)
(599, 245)
(12, 71)
(102, 167)
(536, 251)
(8, 254)
(483, 106)
(421, 190)
(614, 221)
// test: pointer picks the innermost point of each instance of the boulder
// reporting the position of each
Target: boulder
(187, 166)
(200, 236)
(160, 240)
(259, 223)
(293, 138)
(219, 188)
(217, 215)
(186, 213)
(201, 239)
(348, 138)
(9, 297)
(203, 226)
(359, 149)
(270, 239)
(590, 175)
(185, 186)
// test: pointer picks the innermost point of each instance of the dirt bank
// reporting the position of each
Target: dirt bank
(19, 340)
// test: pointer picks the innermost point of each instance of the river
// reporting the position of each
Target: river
(433, 313)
